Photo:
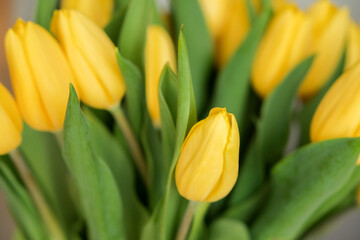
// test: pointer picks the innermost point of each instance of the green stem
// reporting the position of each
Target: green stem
(45, 212)
(135, 149)
(186, 221)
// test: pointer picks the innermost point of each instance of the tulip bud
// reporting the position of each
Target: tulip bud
(338, 115)
(10, 122)
(208, 164)
(353, 47)
(40, 75)
(99, 11)
(331, 27)
(159, 50)
(286, 42)
(92, 56)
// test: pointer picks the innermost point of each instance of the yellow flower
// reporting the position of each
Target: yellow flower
(92, 56)
(99, 11)
(286, 42)
(338, 115)
(331, 27)
(10, 122)
(353, 47)
(208, 164)
(159, 50)
(40, 75)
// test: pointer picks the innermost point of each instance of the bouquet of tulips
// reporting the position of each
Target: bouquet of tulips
(127, 120)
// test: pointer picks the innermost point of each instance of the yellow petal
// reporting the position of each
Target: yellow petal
(353, 47)
(99, 11)
(329, 48)
(92, 57)
(207, 167)
(159, 50)
(10, 122)
(338, 115)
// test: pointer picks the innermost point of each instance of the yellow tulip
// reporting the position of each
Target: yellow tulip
(208, 164)
(10, 122)
(92, 56)
(286, 42)
(159, 50)
(353, 47)
(99, 11)
(40, 75)
(338, 115)
(279, 4)
(331, 27)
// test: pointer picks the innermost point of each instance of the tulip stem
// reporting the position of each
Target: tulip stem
(47, 215)
(135, 149)
(186, 221)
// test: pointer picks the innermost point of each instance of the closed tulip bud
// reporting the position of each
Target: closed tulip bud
(99, 11)
(353, 47)
(40, 75)
(10, 122)
(159, 50)
(286, 42)
(331, 27)
(92, 56)
(208, 164)
(338, 115)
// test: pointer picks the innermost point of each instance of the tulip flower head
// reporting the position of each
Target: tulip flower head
(40, 75)
(285, 44)
(92, 57)
(10, 122)
(331, 27)
(159, 50)
(353, 47)
(208, 164)
(99, 11)
(338, 115)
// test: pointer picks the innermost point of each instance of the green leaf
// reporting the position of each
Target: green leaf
(134, 92)
(276, 113)
(44, 12)
(20, 203)
(107, 148)
(251, 11)
(309, 109)
(302, 183)
(165, 216)
(201, 46)
(133, 31)
(232, 89)
(229, 229)
(112, 29)
(99, 196)
(43, 156)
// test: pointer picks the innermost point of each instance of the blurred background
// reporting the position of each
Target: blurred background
(347, 228)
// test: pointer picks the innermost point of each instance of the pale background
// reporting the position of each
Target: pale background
(347, 228)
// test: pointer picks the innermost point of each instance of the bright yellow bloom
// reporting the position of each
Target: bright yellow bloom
(40, 75)
(159, 50)
(10, 122)
(338, 115)
(331, 27)
(279, 4)
(208, 164)
(286, 42)
(92, 56)
(99, 11)
(353, 47)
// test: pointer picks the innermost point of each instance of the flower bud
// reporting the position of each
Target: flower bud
(208, 164)
(353, 47)
(40, 75)
(331, 27)
(159, 50)
(10, 122)
(92, 57)
(286, 43)
(338, 115)
(99, 11)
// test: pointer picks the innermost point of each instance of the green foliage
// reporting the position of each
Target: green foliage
(44, 12)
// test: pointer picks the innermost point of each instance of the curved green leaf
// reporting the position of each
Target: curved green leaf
(228, 229)
(44, 12)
